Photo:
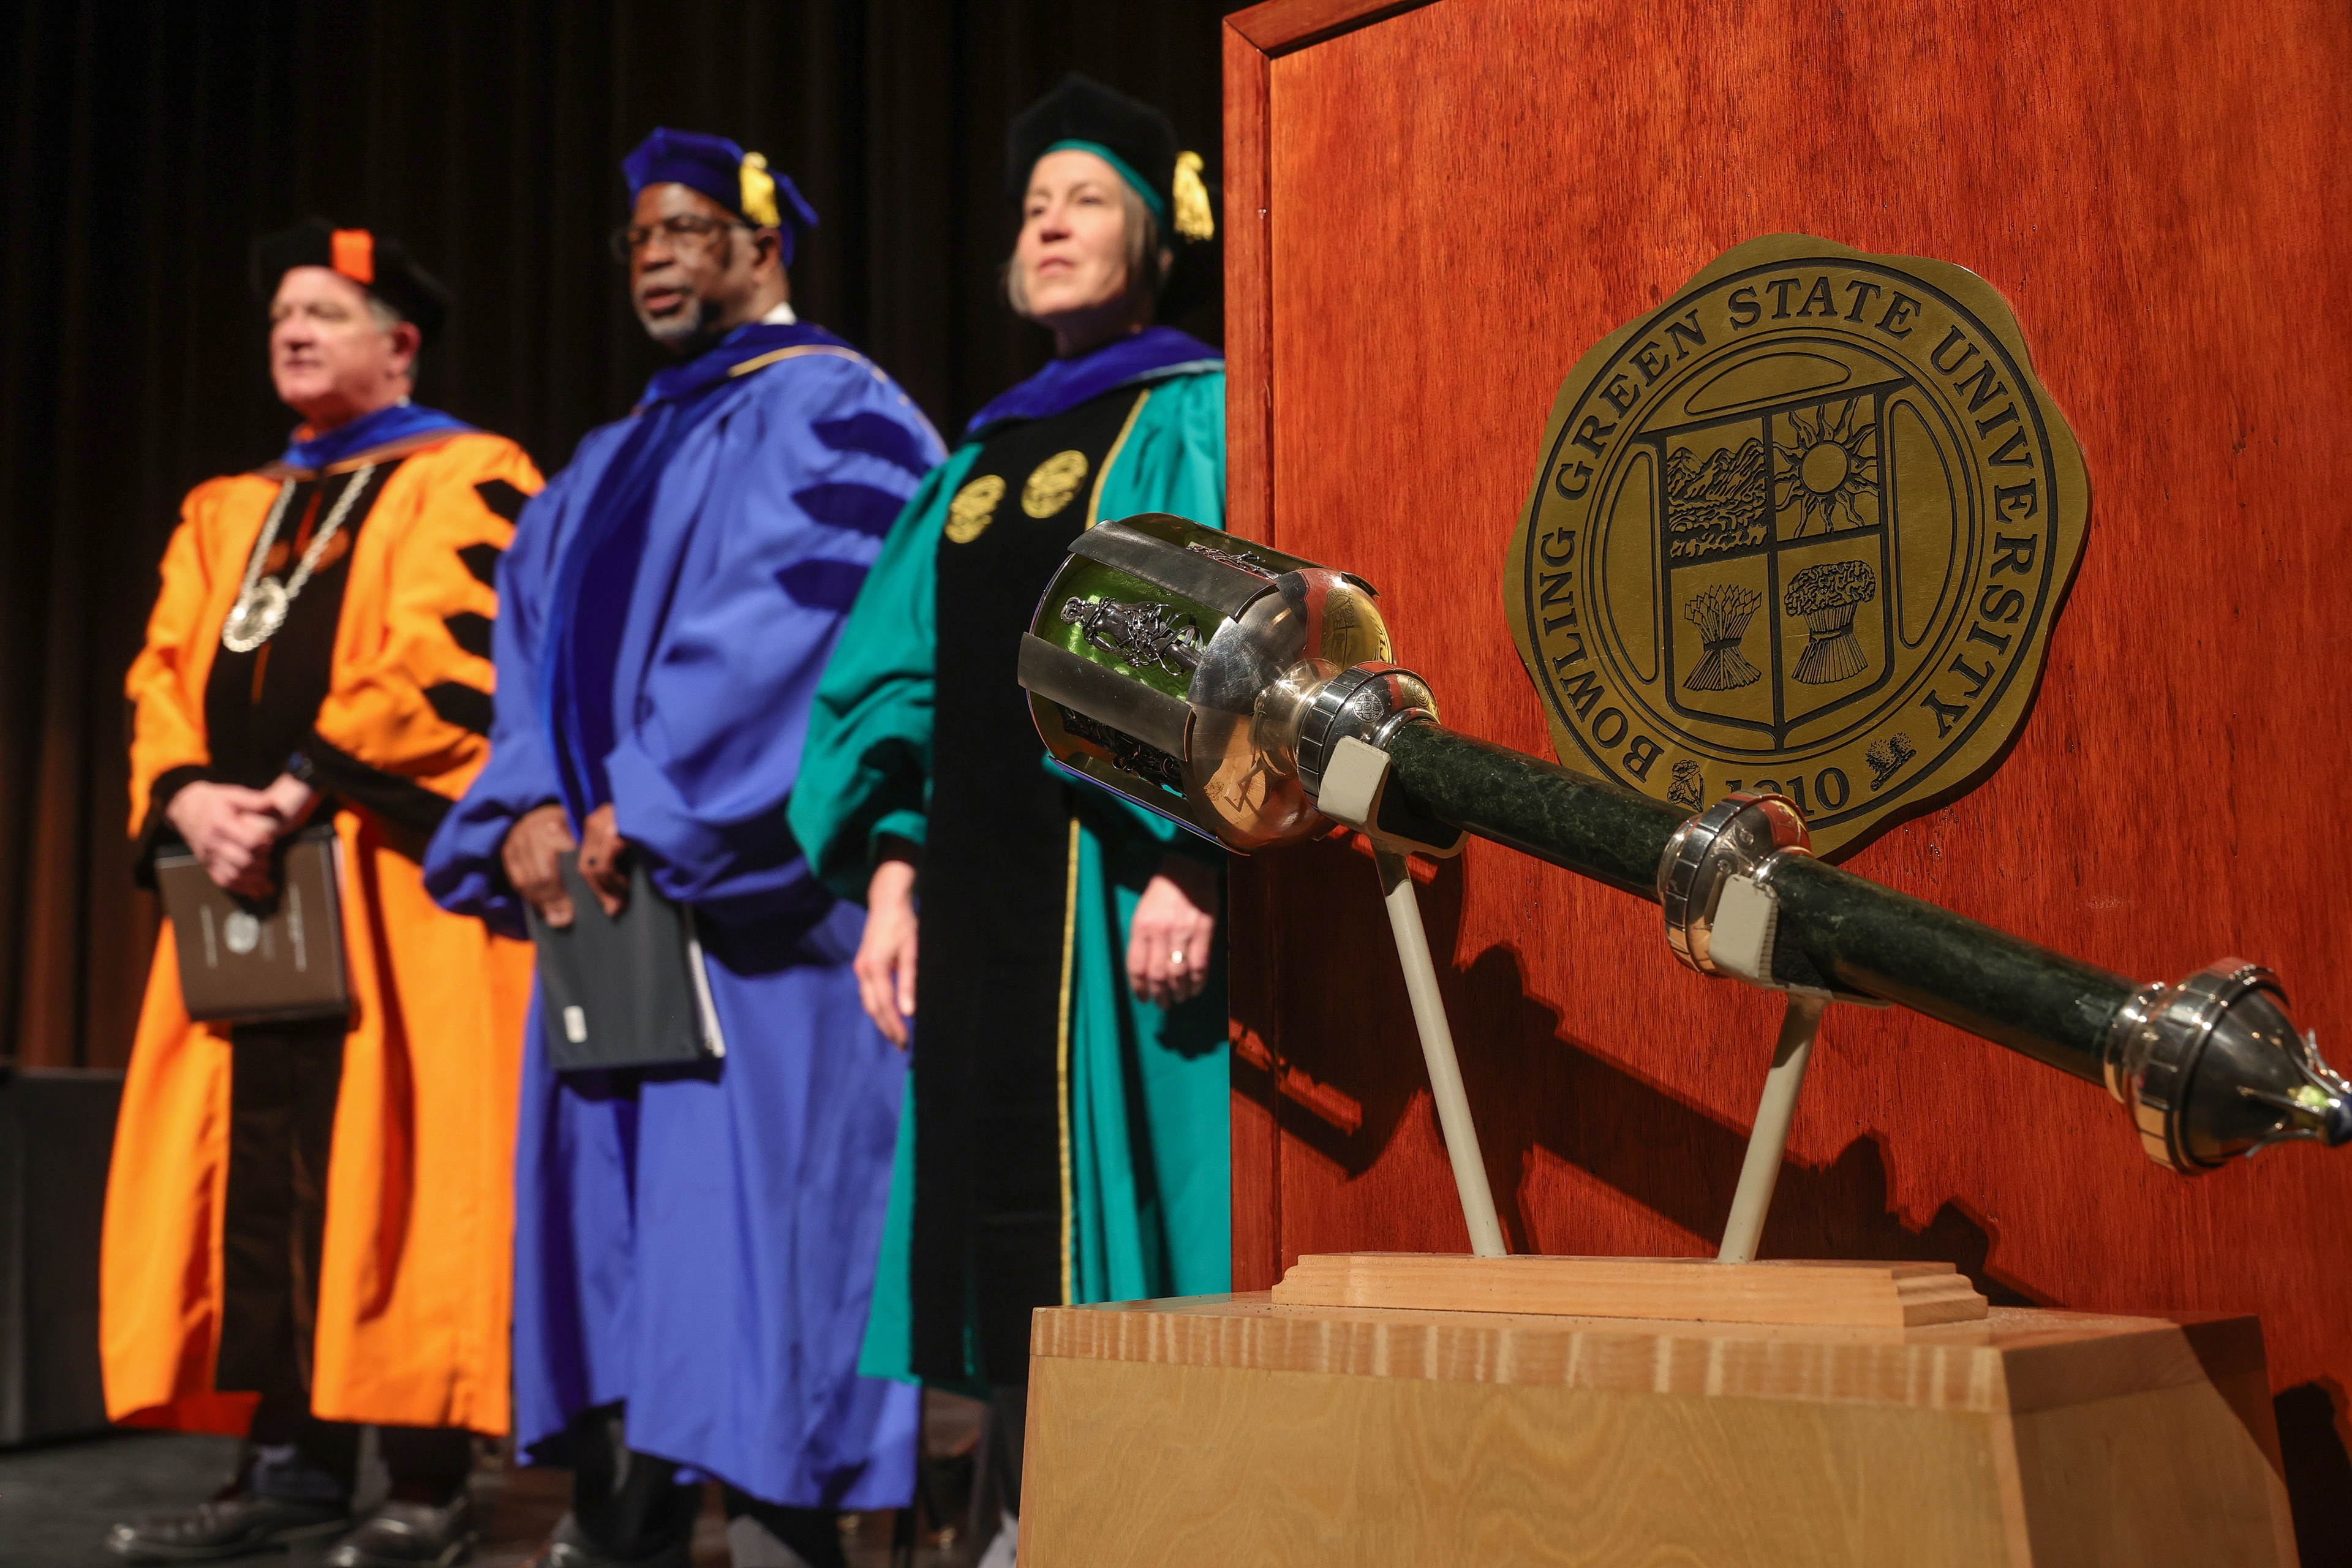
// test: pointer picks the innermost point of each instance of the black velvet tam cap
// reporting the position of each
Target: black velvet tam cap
(1082, 112)
(377, 263)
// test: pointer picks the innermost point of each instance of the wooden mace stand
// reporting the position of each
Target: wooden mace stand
(1241, 1430)
(1415, 1409)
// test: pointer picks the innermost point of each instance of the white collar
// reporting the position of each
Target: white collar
(781, 316)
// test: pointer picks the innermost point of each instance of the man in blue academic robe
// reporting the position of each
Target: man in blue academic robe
(695, 1246)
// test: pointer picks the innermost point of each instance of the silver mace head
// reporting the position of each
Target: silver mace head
(2211, 1068)
(1206, 677)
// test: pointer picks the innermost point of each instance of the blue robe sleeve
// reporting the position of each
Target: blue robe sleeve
(867, 771)
(462, 870)
(797, 487)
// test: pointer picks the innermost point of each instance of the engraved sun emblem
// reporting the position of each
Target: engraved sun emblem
(1834, 459)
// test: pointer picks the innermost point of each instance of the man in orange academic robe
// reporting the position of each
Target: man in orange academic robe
(308, 1225)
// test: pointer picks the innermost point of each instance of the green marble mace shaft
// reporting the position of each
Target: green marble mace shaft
(1865, 937)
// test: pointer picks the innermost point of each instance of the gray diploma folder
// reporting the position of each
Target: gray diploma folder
(624, 991)
(273, 960)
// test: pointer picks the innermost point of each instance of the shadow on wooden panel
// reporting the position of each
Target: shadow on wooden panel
(1344, 1091)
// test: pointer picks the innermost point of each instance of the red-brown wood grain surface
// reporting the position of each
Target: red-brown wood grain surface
(1430, 218)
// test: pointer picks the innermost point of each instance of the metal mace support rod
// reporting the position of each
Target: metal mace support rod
(1437, 1051)
(1352, 788)
(1723, 918)
(1759, 1172)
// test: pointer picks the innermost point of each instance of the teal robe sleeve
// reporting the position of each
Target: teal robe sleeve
(1174, 458)
(865, 770)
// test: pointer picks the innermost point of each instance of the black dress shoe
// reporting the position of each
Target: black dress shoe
(226, 1527)
(410, 1535)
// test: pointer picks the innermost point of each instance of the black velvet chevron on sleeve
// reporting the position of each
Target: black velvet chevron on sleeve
(466, 706)
(396, 799)
(470, 632)
(482, 560)
(501, 498)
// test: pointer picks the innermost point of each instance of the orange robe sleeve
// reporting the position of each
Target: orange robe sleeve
(405, 725)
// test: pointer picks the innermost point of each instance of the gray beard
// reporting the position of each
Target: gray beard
(687, 332)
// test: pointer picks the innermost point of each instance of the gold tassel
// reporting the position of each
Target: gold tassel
(1193, 220)
(759, 191)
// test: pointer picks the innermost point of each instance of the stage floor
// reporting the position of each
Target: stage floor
(56, 1501)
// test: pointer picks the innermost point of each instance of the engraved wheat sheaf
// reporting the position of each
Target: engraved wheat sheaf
(1827, 596)
(1721, 613)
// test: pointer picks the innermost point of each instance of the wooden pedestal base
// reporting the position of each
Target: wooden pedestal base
(1234, 1431)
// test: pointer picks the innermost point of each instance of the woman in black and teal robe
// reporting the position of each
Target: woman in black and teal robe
(1067, 1138)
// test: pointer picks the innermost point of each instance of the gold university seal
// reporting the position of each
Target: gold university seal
(1805, 528)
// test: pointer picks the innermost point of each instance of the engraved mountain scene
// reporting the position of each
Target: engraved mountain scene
(1716, 534)
(1715, 505)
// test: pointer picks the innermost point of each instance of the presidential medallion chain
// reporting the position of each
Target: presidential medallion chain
(262, 603)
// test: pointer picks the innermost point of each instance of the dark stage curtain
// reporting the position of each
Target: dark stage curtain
(146, 143)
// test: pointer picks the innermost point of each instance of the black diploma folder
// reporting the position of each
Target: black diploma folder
(626, 991)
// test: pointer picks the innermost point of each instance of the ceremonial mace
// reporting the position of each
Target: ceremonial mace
(1246, 694)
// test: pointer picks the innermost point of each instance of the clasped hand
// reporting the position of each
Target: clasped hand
(544, 832)
(232, 829)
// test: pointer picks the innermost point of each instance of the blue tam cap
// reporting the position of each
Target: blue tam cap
(738, 181)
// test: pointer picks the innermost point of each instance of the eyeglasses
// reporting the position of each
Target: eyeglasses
(683, 232)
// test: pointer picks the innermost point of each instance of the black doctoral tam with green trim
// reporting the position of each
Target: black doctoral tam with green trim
(1083, 113)
(1138, 141)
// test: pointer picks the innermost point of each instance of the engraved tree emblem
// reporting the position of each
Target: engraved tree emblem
(1721, 613)
(1887, 757)
(1827, 596)
(1834, 461)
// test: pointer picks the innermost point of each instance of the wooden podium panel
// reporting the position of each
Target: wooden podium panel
(1234, 1431)
(1432, 210)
